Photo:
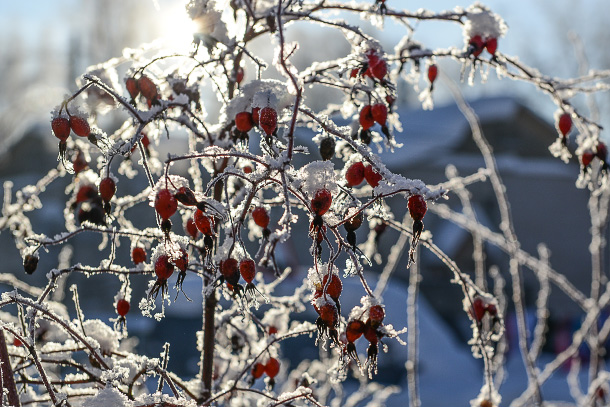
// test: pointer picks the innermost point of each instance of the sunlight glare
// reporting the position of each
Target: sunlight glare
(176, 28)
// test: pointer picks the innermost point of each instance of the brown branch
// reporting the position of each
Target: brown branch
(8, 381)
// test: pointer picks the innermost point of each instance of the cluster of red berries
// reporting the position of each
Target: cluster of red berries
(374, 67)
(142, 86)
(477, 44)
(62, 126)
(358, 172)
(328, 309)
(266, 118)
(271, 368)
(370, 114)
(231, 270)
(480, 307)
(371, 331)
(164, 268)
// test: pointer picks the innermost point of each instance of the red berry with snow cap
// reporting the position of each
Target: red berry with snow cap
(321, 202)
(417, 207)
(334, 288)
(165, 204)
(476, 45)
(372, 176)
(492, 45)
(329, 314)
(379, 111)
(261, 217)
(204, 223)
(244, 122)
(182, 261)
(107, 189)
(268, 120)
(355, 174)
(376, 315)
(163, 268)
(564, 124)
(366, 118)
(61, 128)
(80, 126)
(377, 66)
(122, 307)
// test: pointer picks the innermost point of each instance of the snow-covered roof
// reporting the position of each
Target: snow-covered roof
(429, 134)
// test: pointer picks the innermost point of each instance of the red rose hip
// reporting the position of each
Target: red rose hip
(261, 217)
(417, 207)
(122, 307)
(107, 189)
(321, 202)
(61, 128)
(355, 174)
(165, 204)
